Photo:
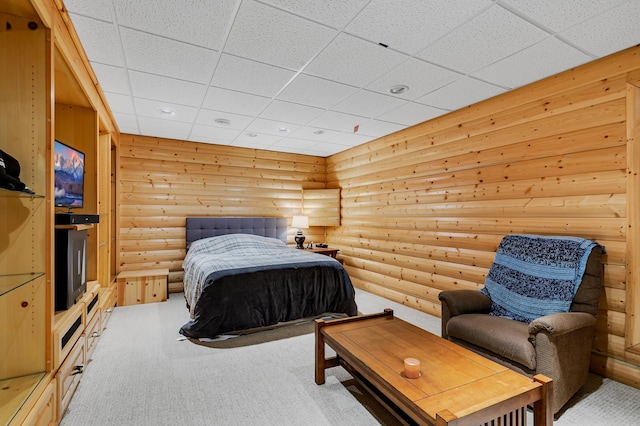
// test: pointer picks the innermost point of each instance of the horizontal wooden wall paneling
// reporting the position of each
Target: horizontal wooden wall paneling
(163, 181)
(607, 136)
(549, 158)
(246, 208)
(602, 229)
(570, 206)
(490, 130)
(142, 193)
(226, 174)
(403, 237)
(428, 307)
(611, 367)
(596, 116)
(198, 154)
(610, 322)
(457, 256)
(165, 232)
(604, 70)
(420, 263)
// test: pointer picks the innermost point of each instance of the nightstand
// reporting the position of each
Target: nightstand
(326, 251)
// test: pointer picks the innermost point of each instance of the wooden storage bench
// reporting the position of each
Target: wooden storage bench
(148, 286)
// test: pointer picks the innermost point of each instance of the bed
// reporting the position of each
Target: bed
(239, 274)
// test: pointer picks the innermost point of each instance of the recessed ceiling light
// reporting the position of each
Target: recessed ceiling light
(222, 121)
(283, 130)
(166, 111)
(399, 89)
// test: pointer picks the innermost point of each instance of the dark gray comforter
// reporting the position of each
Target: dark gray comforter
(239, 281)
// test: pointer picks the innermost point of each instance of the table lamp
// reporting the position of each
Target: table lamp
(300, 222)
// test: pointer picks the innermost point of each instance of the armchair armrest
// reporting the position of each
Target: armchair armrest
(458, 302)
(561, 323)
(465, 302)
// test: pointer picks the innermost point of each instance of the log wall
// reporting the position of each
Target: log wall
(161, 182)
(424, 209)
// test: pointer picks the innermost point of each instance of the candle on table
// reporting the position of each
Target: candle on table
(412, 368)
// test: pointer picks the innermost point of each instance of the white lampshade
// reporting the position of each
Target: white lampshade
(300, 222)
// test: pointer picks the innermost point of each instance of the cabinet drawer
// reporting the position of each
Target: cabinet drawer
(107, 304)
(92, 333)
(68, 329)
(69, 375)
(91, 300)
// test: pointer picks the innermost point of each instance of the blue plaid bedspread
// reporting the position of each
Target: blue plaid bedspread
(533, 275)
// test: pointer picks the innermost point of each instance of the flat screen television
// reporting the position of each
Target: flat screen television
(68, 171)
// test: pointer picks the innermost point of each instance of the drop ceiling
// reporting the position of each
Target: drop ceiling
(315, 76)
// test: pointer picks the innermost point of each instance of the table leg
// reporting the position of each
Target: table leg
(319, 359)
(543, 409)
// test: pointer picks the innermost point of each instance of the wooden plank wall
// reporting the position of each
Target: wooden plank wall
(162, 181)
(423, 210)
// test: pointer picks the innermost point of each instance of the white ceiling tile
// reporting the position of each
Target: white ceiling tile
(174, 57)
(326, 149)
(412, 113)
(354, 61)
(99, 40)
(313, 133)
(615, 30)
(195, 22)
(248, 76)
(166, 89)
(290, 142)
(378, 128)
(560, 15)
(350, 139)
(332, 13)
(120, 103)
(207, 117)
(255, 140)
(420, 76)
(410, 25)
(270, 127)
(534, 63)
(158, 55)
(314, 91)
(290, 112)
(211, 141)
(163, 128)
(460, 93)
(151, 108)
(232, 101)
(98, 9)
(209, 133)
(274, 37)
(486, 39)
(127, 121)
(368, 104)
(337, 121)
(111, 78)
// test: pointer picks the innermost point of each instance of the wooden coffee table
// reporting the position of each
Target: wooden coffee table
(456, 387)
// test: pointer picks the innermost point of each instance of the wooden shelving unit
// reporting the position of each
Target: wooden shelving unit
(50, 93)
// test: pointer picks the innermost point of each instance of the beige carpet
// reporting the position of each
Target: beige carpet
(143, 373)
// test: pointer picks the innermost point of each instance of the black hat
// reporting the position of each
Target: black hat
(10, 173)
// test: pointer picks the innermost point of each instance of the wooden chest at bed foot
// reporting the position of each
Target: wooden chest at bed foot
(146, 286)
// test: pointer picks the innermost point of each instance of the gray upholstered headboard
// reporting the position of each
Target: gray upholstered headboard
(203, 227)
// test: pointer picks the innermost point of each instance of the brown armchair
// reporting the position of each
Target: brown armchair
(557, 345)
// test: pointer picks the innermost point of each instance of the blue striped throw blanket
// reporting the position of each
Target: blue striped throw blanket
(534, 275)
